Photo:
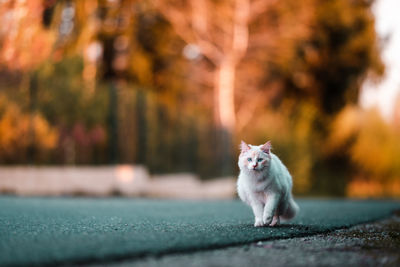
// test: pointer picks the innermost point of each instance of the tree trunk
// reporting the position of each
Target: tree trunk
(141, 127)
(33, 87)
(224, 112)
(224, 102)
(113, 124)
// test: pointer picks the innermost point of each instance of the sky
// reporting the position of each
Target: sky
(383, 94)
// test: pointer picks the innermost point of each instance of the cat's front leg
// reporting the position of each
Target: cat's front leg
(258, 213)
(275, 220)
(271, 204)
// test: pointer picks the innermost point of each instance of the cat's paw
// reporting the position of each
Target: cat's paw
(258, 223)
(275, 221)
(267, 220)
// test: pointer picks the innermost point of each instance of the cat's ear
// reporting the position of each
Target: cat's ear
(266, 148)
(244, 147)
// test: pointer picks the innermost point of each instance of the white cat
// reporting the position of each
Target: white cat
(265, 184)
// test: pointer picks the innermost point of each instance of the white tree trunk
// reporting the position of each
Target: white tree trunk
(224, 95)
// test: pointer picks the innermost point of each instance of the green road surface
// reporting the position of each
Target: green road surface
(53, 231)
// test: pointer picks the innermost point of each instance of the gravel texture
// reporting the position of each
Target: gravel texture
(373, 244)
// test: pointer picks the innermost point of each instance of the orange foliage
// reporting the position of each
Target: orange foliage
(18, 131)
(372, 144)
(361, 188)
(374, 148)
(24, 41)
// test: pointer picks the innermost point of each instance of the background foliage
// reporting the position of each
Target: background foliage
(98, 82)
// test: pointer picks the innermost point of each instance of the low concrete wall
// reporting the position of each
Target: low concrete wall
(189, 186)
(126, 180)
(72, 180)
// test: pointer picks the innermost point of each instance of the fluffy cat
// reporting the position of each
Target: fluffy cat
(265, 184)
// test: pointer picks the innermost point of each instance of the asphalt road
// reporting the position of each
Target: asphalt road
(53, 231)
(368, 245)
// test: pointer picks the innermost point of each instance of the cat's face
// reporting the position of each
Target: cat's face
(254, 158)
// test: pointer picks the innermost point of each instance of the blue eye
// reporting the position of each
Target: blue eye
(259, 159)
(249, 159)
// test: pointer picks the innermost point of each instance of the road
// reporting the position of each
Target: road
(368, 245)
(53, 231)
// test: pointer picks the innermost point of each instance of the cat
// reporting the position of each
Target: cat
(265, 184)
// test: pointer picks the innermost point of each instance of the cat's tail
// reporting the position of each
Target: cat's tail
(291, 210)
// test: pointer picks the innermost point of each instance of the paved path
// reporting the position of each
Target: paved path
(51, 231)
(368, 245)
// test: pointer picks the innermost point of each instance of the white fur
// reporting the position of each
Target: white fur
(266, 186)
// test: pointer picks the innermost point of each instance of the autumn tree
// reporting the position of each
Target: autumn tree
(25, 43)
(220, 31)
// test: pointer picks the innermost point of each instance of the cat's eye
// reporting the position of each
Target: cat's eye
(259, 159)
(248, 159)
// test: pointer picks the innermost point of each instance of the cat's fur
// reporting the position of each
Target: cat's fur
(265, 184)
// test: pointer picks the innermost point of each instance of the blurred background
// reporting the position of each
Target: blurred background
(166, 89)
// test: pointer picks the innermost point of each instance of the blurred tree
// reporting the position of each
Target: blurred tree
(222, 38)
(331, 63)
(79, 114)
(322, 62)
(21, 33)
(343, 50)
(372, 145)
(221, 32)
(15, 136)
